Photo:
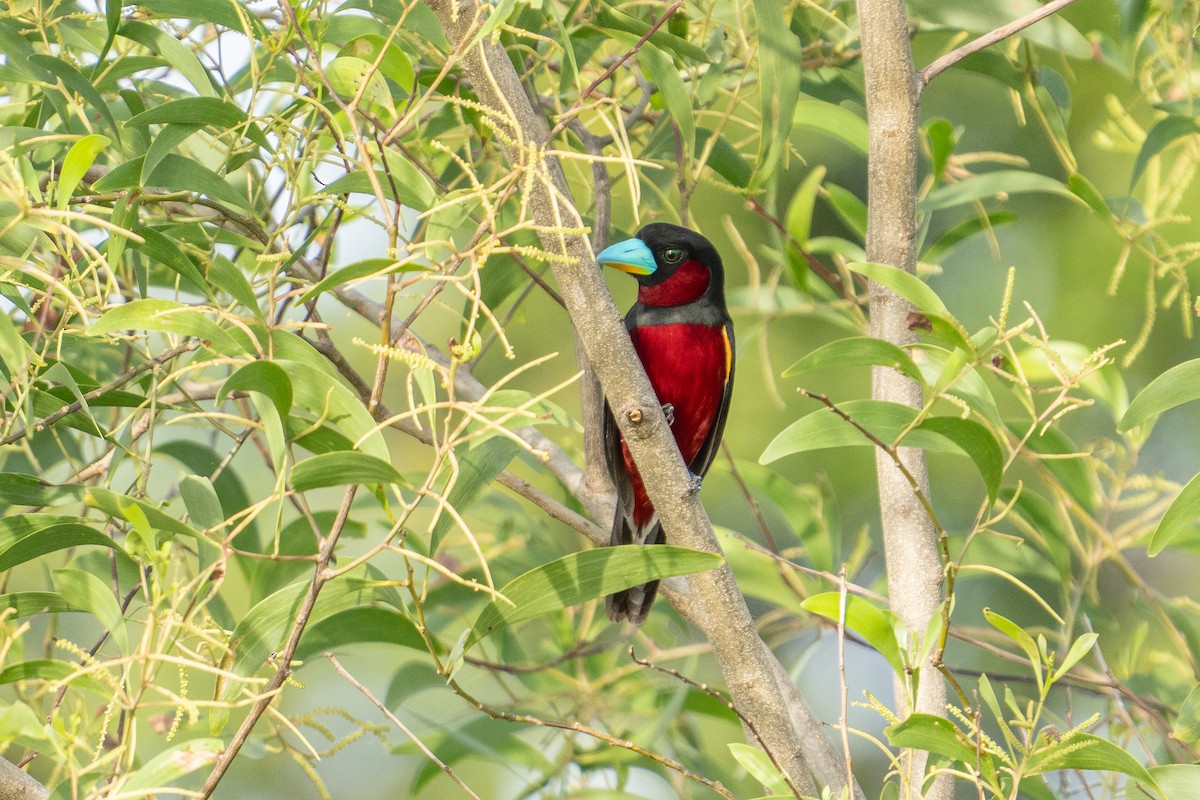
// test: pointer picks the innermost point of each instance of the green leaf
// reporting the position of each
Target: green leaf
(203, 504)
(264, 377)
(836, 121)
(341, 468)
(760, 767)
(877, 626)
(991, 184)
(170, 48)
(824, 429)
(191, 111)
(365, 625)
(800, 210)
(79, 160)
(19, 725)
(1178, 385)
(407, 186)
(15, 352)
(983, 16)
(1015, 632)
(584, 576)
(262, 630)
(166, 316)
(172, 764)
(86, 592)
(50, 540)
(224, 275)
(1086, 191)
(1079, 648)
(27, 604)
(610, 19)
(477, 468)
(177, 173)
(1088, 752)
(350, 76)
(359, 270)
(1179, 518)
(1162, 135)
(942, 138)
(1176, 781)
(166, 251)
(935, 734)
(757, 573)
(905, 284)
(393, 62)
(224, 14)
(723, 158)
(779, 58)
(328, 399)
(76, 82)
(138, 512)
(52, 670)
(850, 209)
(964, 230)
(977, 442)
(662, 73)
(17, 489)
(1187, 724)
(856, 351)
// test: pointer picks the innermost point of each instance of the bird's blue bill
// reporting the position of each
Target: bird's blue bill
(631, 255)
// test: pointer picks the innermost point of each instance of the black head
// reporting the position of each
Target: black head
(673, 246)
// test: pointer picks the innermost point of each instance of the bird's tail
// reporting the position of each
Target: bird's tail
(634, 603)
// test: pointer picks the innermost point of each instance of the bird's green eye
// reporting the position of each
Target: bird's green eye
(673, 255)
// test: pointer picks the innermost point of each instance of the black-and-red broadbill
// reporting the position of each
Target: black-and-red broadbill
(683, 335)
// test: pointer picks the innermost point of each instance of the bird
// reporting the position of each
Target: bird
(683, 335)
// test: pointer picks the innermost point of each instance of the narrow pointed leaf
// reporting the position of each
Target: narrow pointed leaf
(265, 377)
(1089, 752)
(875, 625)
(977, 442)
(993, 184)
(1180, 517)
(86, 592)
(935, 734)
(79, 160)
(854, 352)
(49, 540)
(478, 467)
(172, 764)
(341, 468)
(585, 576)
(1178, 385)
(1162, 135)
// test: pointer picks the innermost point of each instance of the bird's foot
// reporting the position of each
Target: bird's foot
(669, 413)
(696, 481)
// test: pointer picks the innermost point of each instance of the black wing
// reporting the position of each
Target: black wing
(712, 443)
(615, 459)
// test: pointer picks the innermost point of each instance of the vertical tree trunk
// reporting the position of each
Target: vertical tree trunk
(913, 564)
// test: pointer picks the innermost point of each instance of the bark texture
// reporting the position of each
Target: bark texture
(16, 784)
(914, 566)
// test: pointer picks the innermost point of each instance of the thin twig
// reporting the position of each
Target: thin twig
(711, 692)
(50, 419)
(990, 38)
(662, 20)
(403, 728)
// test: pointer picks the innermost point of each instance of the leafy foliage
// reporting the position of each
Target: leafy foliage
(277, 332)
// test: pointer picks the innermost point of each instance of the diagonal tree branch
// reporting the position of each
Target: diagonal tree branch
(990, 38)
(711, 600)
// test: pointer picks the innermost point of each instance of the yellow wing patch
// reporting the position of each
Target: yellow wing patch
(728, 352)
